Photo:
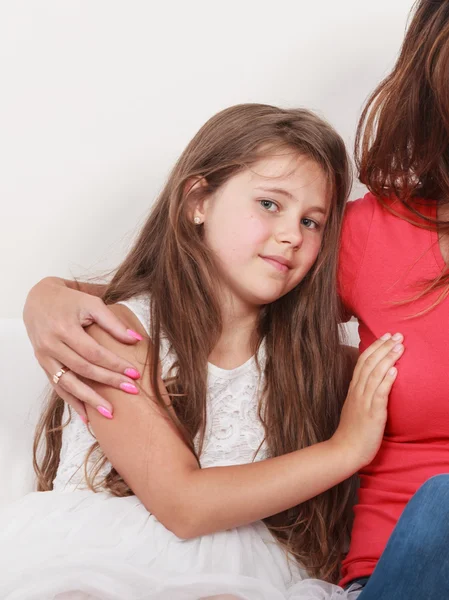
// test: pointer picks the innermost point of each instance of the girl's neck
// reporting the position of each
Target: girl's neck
(237, 339)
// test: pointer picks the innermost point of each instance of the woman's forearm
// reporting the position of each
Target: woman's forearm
(94, 289)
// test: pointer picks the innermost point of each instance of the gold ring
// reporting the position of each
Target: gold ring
(57, 376)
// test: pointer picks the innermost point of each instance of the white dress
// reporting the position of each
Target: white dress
(72, 543)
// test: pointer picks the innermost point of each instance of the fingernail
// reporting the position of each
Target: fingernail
(398, 348)
(385, 336)
(397, 337)
(133, 373)
(83, 419)
(128, 387)
(104, 411)
(134, 334)
(392, 372)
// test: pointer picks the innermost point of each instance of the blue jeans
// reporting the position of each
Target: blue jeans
(415, 562)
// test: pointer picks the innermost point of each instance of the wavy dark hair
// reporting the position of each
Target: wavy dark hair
(306, 381)
(402, 141)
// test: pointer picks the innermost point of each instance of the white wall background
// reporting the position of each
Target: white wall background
(98, 97)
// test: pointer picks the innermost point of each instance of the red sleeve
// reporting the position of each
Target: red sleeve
(354, 240)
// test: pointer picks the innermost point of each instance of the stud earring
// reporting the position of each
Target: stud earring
(197, 220)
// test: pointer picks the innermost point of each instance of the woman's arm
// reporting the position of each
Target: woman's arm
(93, 289)
(55, 316)
(145, 448)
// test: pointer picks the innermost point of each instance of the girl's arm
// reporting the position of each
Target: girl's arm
(144, 446)
(55, 315)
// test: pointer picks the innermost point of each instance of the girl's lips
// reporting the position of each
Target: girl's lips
(275, 263)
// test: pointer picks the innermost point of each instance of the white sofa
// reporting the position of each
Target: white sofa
(23, 386)
(23, 390)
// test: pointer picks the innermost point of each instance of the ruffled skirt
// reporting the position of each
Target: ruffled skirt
(86, 546)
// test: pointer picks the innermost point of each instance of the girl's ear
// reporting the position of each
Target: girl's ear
(197, 199)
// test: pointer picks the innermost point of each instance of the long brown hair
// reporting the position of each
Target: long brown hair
(402, 141)
(305, 372)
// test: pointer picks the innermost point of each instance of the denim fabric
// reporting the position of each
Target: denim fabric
(415, 562)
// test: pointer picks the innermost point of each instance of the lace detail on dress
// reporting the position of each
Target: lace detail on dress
(77, 441)
(234, 432)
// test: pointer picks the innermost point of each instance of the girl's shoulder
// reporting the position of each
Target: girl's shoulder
(140, 306)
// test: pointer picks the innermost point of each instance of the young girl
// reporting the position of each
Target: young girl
(213, 475)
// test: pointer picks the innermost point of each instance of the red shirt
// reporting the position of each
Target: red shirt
(383, 260)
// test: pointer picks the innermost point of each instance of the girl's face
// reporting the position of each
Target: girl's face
(265, 227)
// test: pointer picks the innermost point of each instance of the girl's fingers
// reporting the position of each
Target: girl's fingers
(380, 396)
(94, 354)
(108, 321)
(372, 360)
(70, 383)
(79, 366)
(379, 373)
(364, 355)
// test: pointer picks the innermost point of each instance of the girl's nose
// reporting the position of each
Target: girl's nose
(291, 236)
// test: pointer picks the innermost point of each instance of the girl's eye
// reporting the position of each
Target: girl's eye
(309, 224)
(269, 205)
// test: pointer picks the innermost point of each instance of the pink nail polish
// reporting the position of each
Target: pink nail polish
(132, 373)
(104, 411)
(134, 334)
(83, 419)
(128, 387)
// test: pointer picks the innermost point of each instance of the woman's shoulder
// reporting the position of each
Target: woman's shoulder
(362, 214)
(354, 240)
(361, 209)
(357, 223)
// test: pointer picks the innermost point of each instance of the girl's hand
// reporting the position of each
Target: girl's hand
(364, 413)
(55, 316)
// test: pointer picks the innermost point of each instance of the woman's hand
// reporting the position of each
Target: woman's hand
(55, 316)
(364, 413)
